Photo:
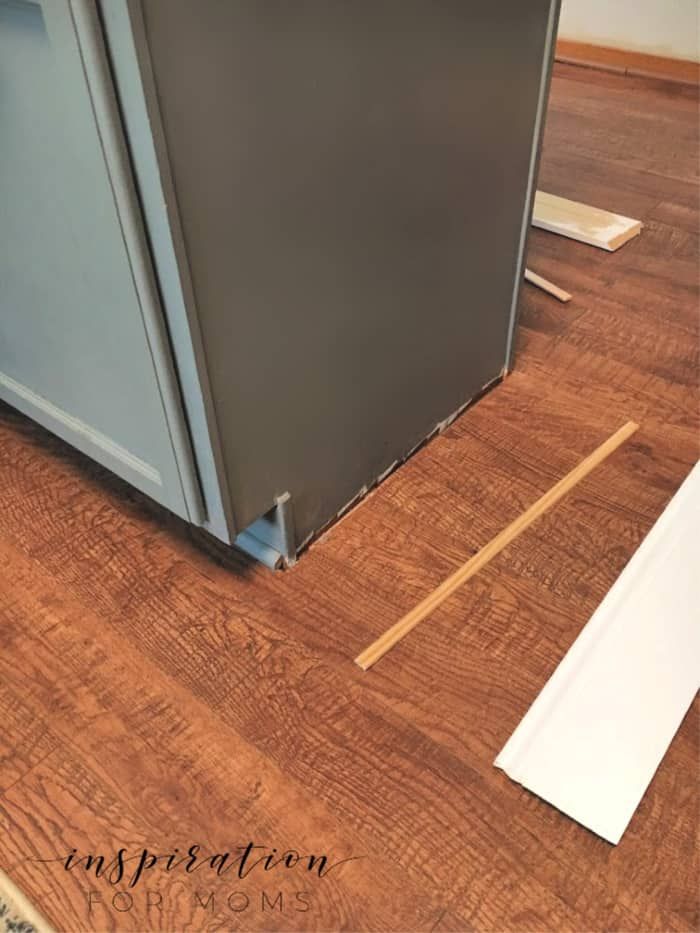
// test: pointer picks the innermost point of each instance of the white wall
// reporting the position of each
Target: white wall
(658, 27)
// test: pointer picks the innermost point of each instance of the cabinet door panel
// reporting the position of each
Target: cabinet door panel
(82, 348)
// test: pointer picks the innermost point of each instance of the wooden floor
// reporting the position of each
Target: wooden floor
(158, 694)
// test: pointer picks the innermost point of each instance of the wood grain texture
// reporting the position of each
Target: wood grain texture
(158, 690)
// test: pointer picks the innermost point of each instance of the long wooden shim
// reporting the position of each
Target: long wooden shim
(386, 641)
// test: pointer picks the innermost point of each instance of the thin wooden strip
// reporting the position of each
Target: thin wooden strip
(401, 628)
(546, 285)
(582, 222)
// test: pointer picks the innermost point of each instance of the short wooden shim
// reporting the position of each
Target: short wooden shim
(534, 279)
(386, 641)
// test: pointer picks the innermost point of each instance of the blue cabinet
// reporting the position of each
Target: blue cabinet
(82, 336)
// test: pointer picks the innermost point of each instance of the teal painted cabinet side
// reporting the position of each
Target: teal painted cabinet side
(82, 346)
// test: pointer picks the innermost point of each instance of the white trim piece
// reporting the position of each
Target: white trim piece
(590, 225)
(594, 737)
(18, 903)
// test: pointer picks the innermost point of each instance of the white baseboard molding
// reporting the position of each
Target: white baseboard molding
(594, 737)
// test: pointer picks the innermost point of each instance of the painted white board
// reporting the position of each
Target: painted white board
(594, 737)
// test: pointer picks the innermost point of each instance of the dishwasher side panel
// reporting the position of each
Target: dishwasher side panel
(353, 183)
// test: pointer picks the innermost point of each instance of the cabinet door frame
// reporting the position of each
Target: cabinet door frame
(121, 22)
(89, 35)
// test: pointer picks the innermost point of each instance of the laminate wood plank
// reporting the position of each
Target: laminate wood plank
(276, 670)
(227, 785)
(669, 353)
(657, 136)
(25, 738)
(675, 404)
(678, 216)
(63, 805)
